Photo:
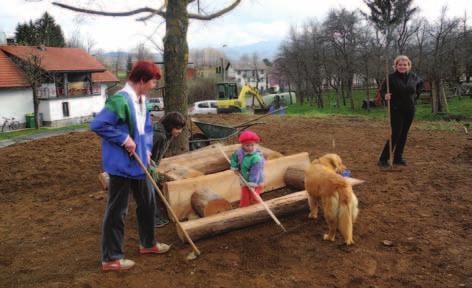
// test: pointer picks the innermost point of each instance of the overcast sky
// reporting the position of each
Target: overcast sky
(251, 22)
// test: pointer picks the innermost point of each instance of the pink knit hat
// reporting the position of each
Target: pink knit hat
(248, 137)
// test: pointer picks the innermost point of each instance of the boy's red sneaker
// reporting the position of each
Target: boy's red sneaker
(159, 248)
(122, 264)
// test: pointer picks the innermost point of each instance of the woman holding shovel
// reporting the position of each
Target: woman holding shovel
(125, 126)
(403, 89)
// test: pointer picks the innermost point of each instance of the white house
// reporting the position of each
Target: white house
(16, 97)
(254, 75)
(74, 85)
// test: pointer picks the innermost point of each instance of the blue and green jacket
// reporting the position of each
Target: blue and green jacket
(250, 165)
(114, 123)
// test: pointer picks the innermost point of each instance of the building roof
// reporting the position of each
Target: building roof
(55, 59)
(10, 74)
(104, 77)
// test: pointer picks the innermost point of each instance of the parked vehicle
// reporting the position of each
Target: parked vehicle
(203, 107)
(155, 104)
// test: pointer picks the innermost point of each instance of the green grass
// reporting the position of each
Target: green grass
(32, 131)
(458, 106)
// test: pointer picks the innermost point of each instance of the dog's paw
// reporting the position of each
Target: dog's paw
(312, 216)
(327, 238)
(349, 242)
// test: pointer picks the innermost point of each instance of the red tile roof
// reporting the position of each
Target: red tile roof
(55, 59)
(106, 76)
(10, 74)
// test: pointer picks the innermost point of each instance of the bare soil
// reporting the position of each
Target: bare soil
(51, 214)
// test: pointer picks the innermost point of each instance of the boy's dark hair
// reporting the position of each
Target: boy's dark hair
(173, 120)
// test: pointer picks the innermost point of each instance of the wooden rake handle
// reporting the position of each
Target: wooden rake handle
(195, 249)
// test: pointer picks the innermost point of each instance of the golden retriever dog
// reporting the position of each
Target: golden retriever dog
(322, 181)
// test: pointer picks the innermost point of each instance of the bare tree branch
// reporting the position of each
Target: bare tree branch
(216, 14)
(153, 12)
(112, 14)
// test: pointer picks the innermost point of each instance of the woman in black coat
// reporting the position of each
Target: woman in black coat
(405, 88)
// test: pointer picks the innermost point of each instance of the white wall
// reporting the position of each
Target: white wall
(16, 103)
(78, 106)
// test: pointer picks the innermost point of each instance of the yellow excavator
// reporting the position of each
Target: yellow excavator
(229, 101)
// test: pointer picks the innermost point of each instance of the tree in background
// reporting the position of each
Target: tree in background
(176, 15)
(129, 64)
(34, 75)
(143, 53)
(43, 31)
(77, 41)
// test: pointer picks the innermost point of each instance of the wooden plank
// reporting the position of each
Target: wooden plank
(243, 217)
(178, 172)
(226, 183)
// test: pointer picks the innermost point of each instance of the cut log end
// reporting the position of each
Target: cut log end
(205, 202)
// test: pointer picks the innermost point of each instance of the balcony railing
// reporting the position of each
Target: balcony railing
(74, 89)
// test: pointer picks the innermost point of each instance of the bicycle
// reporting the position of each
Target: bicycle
(10, 123)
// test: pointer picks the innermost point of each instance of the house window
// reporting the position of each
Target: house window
(65, 109)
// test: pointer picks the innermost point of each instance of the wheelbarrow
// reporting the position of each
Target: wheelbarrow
(218, 132)
(215, 132)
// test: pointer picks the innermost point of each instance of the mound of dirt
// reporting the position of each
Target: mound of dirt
(52, 212)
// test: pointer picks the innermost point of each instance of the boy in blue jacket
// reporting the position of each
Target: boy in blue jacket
(126, 128)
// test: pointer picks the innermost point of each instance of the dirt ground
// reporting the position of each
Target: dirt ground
(51, 216)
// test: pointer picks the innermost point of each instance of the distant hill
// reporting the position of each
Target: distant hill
(266, 49)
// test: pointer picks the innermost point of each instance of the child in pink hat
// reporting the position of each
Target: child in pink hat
(248, 162)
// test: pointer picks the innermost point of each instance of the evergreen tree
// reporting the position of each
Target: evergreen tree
(387, 14)
(43, 31)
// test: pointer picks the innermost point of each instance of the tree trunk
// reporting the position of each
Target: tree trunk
(205, 202)
(175, 65)
(36, 106)
(289, 92)
(443, 99)
(349, 93)
(434, 97)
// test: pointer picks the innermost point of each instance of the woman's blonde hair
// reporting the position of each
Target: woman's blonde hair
(401, 58)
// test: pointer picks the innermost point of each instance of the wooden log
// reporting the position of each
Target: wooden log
(206, 202)
(295, 178)
(209, 159)
(243, 217)
(227, 183)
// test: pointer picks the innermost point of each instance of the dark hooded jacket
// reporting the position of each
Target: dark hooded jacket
(405, 89)
(161, 142)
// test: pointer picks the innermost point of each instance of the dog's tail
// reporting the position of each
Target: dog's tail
(345, 221)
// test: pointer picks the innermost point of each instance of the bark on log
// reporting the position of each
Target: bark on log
(206, 203)
(243, 217)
